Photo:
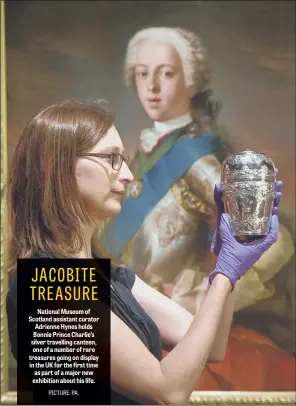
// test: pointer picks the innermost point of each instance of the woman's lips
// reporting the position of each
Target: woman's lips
(119, 193)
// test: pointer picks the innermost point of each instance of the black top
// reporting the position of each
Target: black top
(123, 304)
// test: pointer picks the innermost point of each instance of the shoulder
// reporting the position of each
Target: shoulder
(203, 126)
(12, 289)
(125, 276)
(213, 139)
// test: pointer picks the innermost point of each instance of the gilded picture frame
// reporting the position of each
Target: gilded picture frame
(10, 397)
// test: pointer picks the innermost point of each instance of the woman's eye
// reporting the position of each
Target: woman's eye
(108, 158)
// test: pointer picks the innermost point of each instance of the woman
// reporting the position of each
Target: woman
(68, 179)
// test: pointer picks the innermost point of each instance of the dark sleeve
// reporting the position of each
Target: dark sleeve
(11, 312)
(11, 309)
(126, 277)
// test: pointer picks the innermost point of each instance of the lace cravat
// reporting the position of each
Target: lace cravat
(149, 138)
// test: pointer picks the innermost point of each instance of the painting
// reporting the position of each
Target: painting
(238, 62)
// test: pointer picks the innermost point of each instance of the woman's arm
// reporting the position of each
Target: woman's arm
(171, 381)
(173, 321)
(220, 344)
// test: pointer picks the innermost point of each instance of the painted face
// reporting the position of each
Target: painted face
(101, 186)
(160, 82)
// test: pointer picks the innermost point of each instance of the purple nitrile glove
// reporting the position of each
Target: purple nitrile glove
(221, 236)
(216, 240)
(235, 258)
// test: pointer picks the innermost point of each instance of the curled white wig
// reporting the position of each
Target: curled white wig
(188, 45)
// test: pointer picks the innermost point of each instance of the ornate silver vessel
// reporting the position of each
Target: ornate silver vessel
(248, 184)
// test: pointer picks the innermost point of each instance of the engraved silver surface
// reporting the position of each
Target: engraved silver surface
(248, 183)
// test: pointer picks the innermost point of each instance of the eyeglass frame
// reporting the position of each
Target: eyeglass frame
(107, 155)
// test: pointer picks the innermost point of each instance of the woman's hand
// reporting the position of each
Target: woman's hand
(236, 258)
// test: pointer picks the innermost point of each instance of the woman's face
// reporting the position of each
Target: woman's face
(102, 187)
(160, 82)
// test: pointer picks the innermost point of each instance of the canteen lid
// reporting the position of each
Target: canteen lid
(248, 165)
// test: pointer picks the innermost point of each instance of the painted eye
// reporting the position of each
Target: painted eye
(141, 74)
(169, 74)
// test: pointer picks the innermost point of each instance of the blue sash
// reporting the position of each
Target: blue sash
(156, 184)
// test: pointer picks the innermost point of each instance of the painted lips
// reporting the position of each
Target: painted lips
(154, 100)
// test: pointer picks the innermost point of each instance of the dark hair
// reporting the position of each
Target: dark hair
(46, 209)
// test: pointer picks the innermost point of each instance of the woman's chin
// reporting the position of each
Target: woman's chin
(113, 209)
(107, 212)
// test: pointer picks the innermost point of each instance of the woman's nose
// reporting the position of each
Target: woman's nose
(125, 173)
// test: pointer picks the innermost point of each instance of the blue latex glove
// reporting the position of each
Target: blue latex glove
(235, 258)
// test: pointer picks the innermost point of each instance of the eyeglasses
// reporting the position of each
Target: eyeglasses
(116, 158)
